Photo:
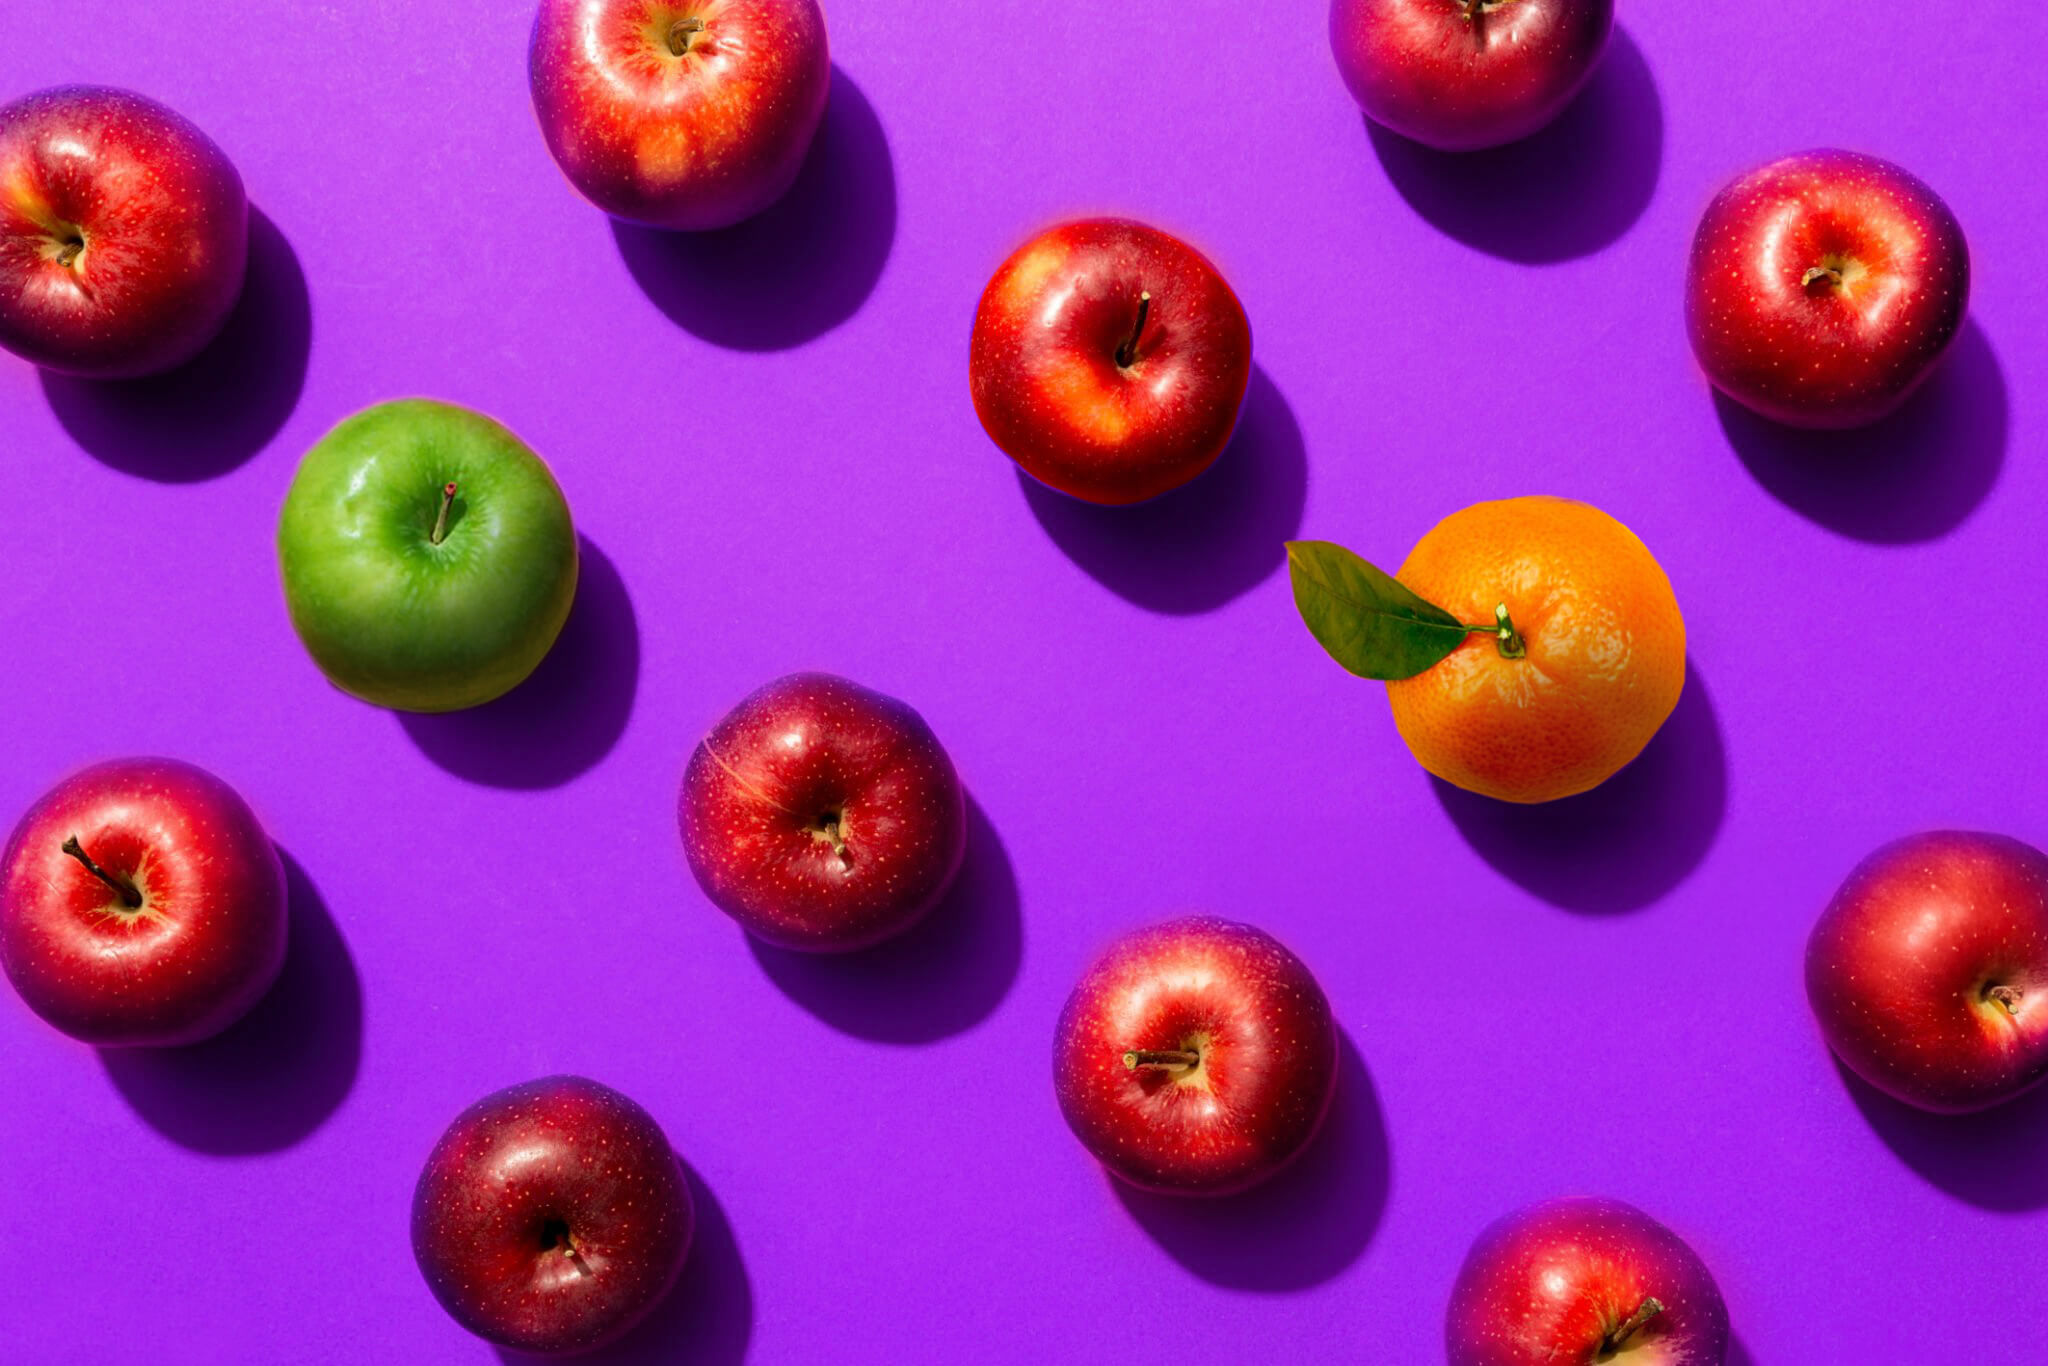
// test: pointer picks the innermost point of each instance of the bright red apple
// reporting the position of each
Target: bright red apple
(552, 1216)
(683, 114)
(1824, 287)
(1109, 360)
(1196, 1057)
(124, 233)
(1576, 1282)
(1459, 75)
(141, 903)
(822, 815)
(1928, 971)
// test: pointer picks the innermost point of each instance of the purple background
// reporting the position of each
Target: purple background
(767, 440)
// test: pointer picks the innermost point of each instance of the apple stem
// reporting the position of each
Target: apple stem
(1475, 10)
(1127, 354)
(831, 828)
(1819, 274)
(441, 521)
(2008, 997)
(73, 247)
(679, 37)
(1512, 646)
(1647, 1310)
(1161, 1059)
(130, 897)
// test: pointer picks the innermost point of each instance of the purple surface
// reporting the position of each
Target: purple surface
(767, 440)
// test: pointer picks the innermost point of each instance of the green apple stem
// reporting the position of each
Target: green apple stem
(1618, 1339)
(1161, 1059)
(1127, 354)
(1512, 646)
(441, 521)
(680, 37)
(130, 897)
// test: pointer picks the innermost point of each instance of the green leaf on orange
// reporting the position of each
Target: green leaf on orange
(1365, 618)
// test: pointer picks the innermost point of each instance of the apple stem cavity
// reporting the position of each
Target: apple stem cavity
(1127, 354)
(831, 829)
(682, 35)
(555, 1237)
(130, 897)
(441, 521)
(1618, 1339)
(1161, 1059)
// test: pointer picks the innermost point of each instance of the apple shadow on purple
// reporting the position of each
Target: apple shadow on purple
(939, 978)
(1563, 192)
(1303, 1227)
(274, 1076)
(1915, 476)
(1995, 1159)
(568, 714)
(215, 412)
(1626, 843)
(796, 270)
(1206, 543)
(1738, 1353)
(706, 1320)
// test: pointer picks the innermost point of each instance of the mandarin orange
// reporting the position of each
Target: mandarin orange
(1603, 650)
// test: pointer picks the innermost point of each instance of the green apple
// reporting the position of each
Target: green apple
(428, 558)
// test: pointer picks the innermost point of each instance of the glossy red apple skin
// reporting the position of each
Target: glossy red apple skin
(1045, 367)
(163, 221)
(691, 142)
(208, 939)
(1928, 972)
(762, 793)
(552, 1216)
(1825, 354)
(1556, 1284)
(1261, 1026)
(1458, 79)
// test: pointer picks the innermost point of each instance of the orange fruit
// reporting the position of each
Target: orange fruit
(1604, 661)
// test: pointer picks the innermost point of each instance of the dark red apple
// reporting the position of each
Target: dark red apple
(1575, 1282)
(1824, 287)
(141, 903)
(822, 815)
(552, 1216)
(1109, 360)
(684, 114)
(124, 233)
(1196, 1057)
(1928, 971)
(1459, 75)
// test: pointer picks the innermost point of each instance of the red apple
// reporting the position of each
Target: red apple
(124, 234)
(822, 815)
(1824, 287)
(1928, 971)
(141, 903)
(1574, 1282)
(684, 114)
(1109, 360)
(552, 1216)
(1459, 75)
(1196, 1057)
